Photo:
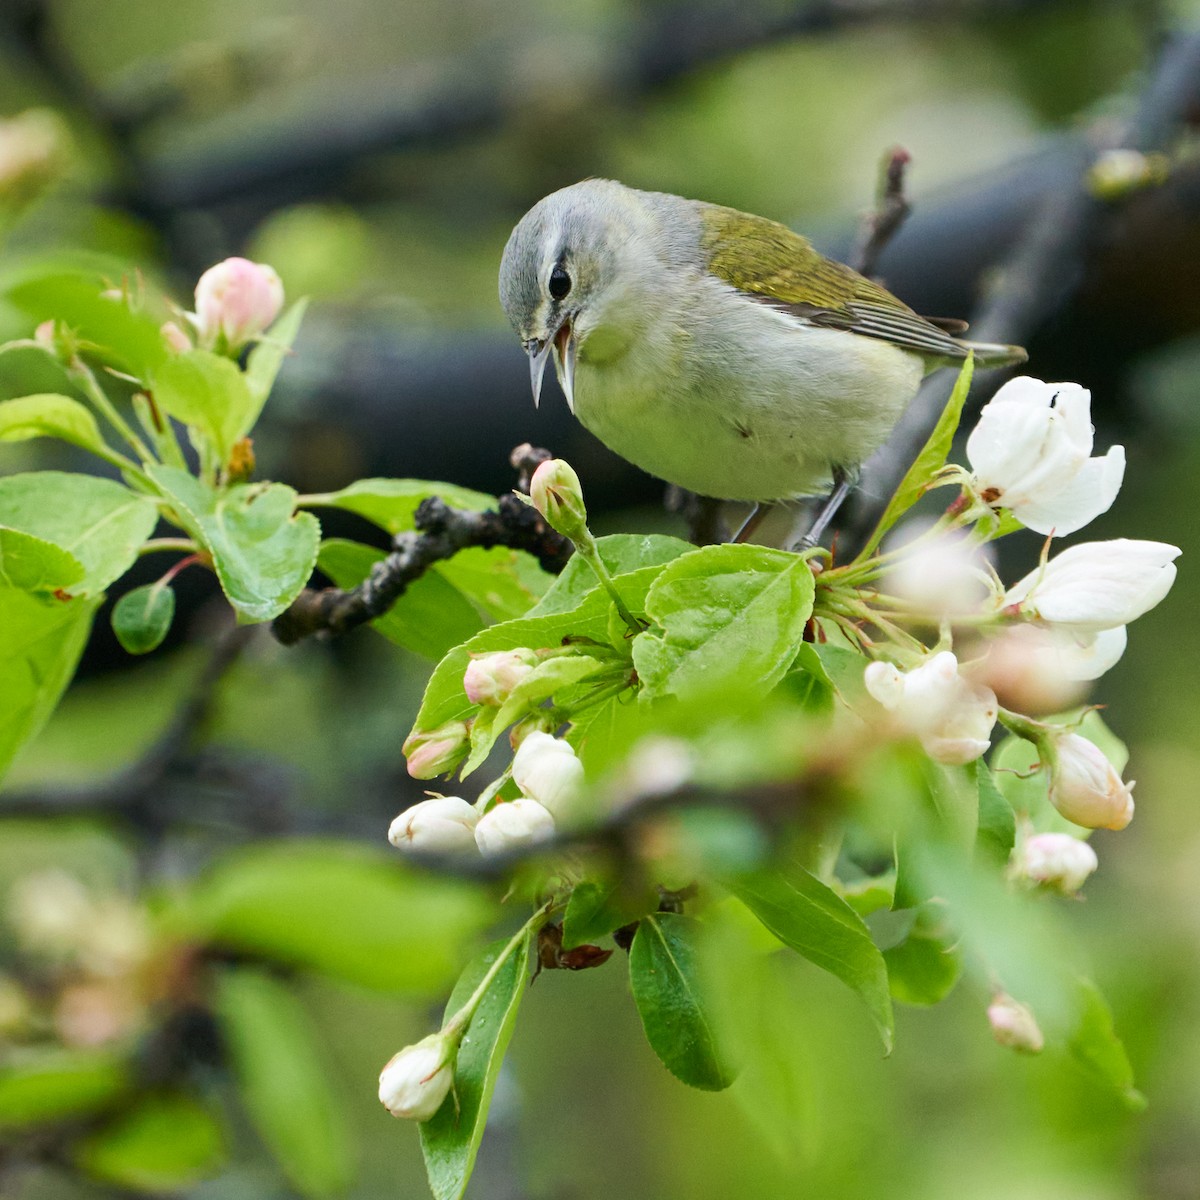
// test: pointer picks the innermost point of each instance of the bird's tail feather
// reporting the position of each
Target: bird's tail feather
(995, 354)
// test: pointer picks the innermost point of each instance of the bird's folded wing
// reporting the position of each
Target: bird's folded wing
(770, 263)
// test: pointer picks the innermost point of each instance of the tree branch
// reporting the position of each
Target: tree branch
(890, 212)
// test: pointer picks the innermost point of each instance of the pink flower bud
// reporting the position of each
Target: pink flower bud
(440, 825)
(1013, 1024)
(558, 495)
(1086, 788)
(177, 341)
(236, 301)
(436, 751)
(513, 825)
(546, 770)
(490, 678)
(416, 1081)
(1057, 861)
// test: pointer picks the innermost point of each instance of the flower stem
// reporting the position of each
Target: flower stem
(82, 374)
(589, 553)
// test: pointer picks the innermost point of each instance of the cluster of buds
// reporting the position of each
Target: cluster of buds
(549, 777)
(237, 301)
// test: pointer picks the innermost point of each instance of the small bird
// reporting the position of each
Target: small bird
(715, 349)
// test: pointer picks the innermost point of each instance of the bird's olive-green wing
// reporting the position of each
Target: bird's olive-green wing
(770, 262)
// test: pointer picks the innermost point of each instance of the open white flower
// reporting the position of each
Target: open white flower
(1097, 585)
(951, 716)
(1030, 454)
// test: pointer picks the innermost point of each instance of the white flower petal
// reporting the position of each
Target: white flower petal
(1085, 496)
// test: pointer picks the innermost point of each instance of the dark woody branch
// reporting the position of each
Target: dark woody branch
(441, 532)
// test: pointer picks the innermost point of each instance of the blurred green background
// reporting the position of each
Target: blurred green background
(377, 152)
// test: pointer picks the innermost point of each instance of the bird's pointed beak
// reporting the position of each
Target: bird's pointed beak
(566, 348)
(539, 353)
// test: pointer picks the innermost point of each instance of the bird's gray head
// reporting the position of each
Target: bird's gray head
(579, 261)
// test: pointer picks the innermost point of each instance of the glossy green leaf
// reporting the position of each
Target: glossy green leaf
(954, 795)
(167, 1143)
(450, 1138)
(49, 415)
(263, 551)
(844, 669)
(621, 553)
(817, 923)
(283, 1081)
(338, 909)
(210, 393)
(142, 618)
(391, 503)
(597, 908)
(38, 1087)
(36, 565)
(665, 977)
(730, 615)
(264, 361)
(43, 638)
(503, 583)
(930, 461)
(430, 618)
(997, 822)
(1094, 1046)
(103, 524)
(925, 966)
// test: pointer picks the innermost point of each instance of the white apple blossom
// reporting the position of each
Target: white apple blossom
(546, 770)
(1054, 860)
(941, 574)
(952, 716)
(1030, 454)
(1085, 787)
(236, 301)
(513, 825)
(1096, 585)
(416, 1081)
(1013, 1024)
(442, 824)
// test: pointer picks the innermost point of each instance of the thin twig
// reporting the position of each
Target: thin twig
(891, 210)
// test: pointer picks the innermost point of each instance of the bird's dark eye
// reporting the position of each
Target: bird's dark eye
(560, 282)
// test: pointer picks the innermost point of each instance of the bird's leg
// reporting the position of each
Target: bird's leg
(841, 489)
(757, 515)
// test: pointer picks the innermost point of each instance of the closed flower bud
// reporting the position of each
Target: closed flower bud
(546, 770)
(1013, 1024)
(416, 1081)
(436, 751)
(177, 341)
(236, 301)
(1054, 860)
(558, 495)
(490, 678)
(952, 717)
(1085, 787)
(1030, 454)
(440, 825)
(512, 825)
(1097, 585)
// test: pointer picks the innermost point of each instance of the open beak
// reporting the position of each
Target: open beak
(565, 348)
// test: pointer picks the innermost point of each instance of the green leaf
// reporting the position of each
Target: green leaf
(621, 553)
(929, 462)
(263, 551)
(997, 822)
(391, 503)
(845, 670)
(504, 583)
(731, 615)
(34, 564)
(50, 415)
(450, 1139)
(596, 909)
(101, 523)
(58, 1085)
(445, 700)
(283, 1081)
(142, 618)
(40, 648)
(925, 966)
(817, 923)
(167, 1143)
(209, 393)
(1094, 1046)
(808, 682)
(954, 794)
(338, 909)
(665, 978)
(268, 356)
(430, 618)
